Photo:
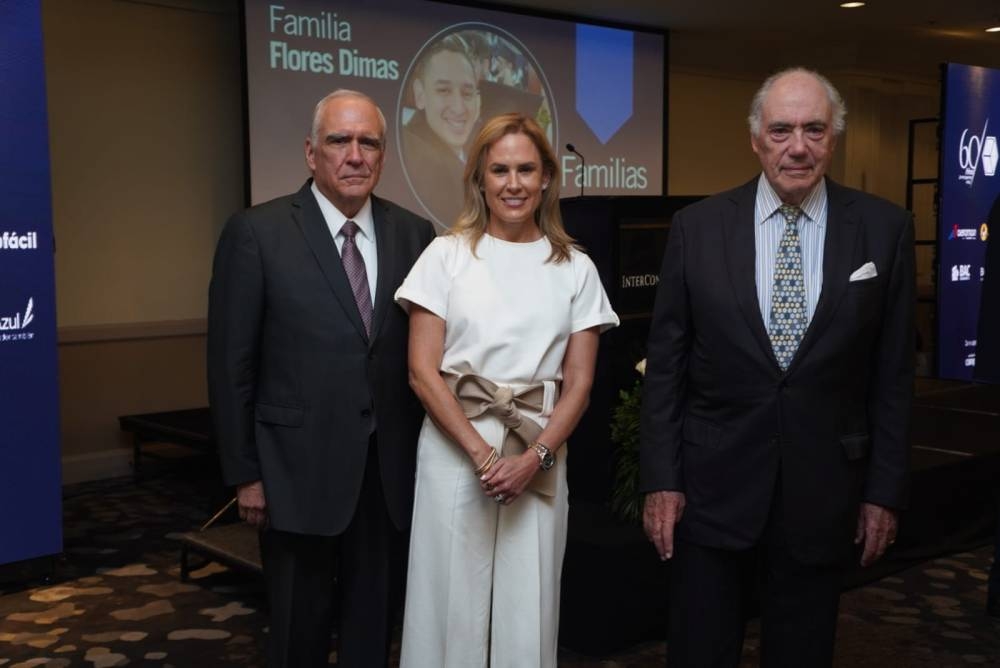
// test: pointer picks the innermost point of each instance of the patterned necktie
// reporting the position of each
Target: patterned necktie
(354, 265)
(788, 294)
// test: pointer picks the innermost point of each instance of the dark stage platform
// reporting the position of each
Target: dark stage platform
(191, 427)
(955, 468)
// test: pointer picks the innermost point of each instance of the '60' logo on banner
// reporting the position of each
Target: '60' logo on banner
(973, 149)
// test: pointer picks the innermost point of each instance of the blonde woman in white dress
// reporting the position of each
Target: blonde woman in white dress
(505, 315)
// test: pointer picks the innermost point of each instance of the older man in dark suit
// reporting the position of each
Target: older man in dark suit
(778, 390)
(308, 384)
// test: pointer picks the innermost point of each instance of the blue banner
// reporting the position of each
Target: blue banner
(604, 68)
(969, 184)
(30, 485)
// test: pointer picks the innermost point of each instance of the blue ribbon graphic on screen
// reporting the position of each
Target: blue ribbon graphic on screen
(603, 78)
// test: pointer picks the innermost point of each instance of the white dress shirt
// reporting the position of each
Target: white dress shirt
(364, 239)
(768, 230)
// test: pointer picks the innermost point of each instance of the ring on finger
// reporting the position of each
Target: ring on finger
(498, 498)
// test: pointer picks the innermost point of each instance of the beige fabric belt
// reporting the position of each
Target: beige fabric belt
(479, 396)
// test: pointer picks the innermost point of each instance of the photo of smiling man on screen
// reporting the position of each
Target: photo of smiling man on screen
(446, 99)
(456, 82)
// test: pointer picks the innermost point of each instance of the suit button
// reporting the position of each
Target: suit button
(366, 413)
(782, 384)
(371, 356)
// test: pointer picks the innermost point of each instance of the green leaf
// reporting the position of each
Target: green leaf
(626, 500)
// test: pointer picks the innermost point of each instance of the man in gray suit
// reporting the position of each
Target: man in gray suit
(316, 424)
(778, 390)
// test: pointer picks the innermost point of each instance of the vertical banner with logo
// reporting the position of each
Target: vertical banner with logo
(969, 184)
(30, 486)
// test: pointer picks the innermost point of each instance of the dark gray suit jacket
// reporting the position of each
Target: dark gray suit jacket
(719, 417)
(296, 386)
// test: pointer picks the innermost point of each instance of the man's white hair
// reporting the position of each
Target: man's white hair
(838, 109)
(339, 93)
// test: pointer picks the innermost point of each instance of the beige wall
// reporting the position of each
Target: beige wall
(708, 144)
(146, 148)
(146, 145)
(101, 380)
(147, 161)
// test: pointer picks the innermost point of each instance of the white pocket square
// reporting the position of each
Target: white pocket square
(864, 272)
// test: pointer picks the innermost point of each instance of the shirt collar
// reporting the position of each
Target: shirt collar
(768, 202)
(335, 219)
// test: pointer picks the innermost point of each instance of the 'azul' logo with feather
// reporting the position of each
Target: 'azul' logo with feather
(18, 322)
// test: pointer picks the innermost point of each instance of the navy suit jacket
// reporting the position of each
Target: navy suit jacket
(720, 419)
(295, 384)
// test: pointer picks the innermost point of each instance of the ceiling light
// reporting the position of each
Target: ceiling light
(993, 29)
(852, 5)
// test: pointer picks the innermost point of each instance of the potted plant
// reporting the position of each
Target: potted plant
(626, 500)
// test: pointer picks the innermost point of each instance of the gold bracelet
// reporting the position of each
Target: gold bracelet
(488, 462)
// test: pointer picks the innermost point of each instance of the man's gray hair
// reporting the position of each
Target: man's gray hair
(339, 93)
(837, 107)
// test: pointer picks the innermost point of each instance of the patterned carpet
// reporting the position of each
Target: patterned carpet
(116, 599)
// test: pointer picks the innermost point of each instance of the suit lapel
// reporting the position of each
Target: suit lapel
(309, 218)
(741, 258)
(838, 250)
(385, 244)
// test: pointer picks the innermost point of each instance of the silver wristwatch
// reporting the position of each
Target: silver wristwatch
(546, 459)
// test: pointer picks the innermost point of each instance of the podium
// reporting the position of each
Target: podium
(614, 587)
(625, 237)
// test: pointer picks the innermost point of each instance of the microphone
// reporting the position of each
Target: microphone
(583, 167)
